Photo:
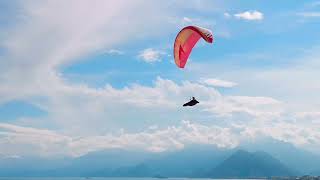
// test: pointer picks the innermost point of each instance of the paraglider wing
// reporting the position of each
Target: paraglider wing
(186, 40)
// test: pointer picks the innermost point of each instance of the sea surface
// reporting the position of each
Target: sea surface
(99, 178)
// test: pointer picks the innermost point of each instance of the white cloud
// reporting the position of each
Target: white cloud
(170, 138)
(313, 116)
(19, 141)
(250, 15)
(50, 34)
(150, 55)
(50, 143)
(219, 83)
(256, 107)
(298, 134)
(84, 112)
(89, 110)
(92, 109)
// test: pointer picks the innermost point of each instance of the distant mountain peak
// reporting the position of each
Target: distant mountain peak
(245, 164)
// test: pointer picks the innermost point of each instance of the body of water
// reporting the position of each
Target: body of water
(98, 178)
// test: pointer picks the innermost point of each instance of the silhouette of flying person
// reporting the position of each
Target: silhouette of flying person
(192, 102)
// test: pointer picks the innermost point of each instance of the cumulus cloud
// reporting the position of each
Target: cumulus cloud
(18, 140)
(49, 143)
(163, 95)
(219, 83)
(83, 114)
(170, 138)
(313, 116)
(88, 108)
(150, 55)
(45, 142)
(294, 133)
(250, 15)
(256, 107)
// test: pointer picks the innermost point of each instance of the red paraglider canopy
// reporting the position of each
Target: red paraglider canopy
(186, 40)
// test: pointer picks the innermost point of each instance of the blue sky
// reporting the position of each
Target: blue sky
(93, 75)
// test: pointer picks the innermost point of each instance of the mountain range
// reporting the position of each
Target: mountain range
(270, 158)
(243, 164)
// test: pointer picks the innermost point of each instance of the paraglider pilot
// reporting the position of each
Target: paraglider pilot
(192, 102)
